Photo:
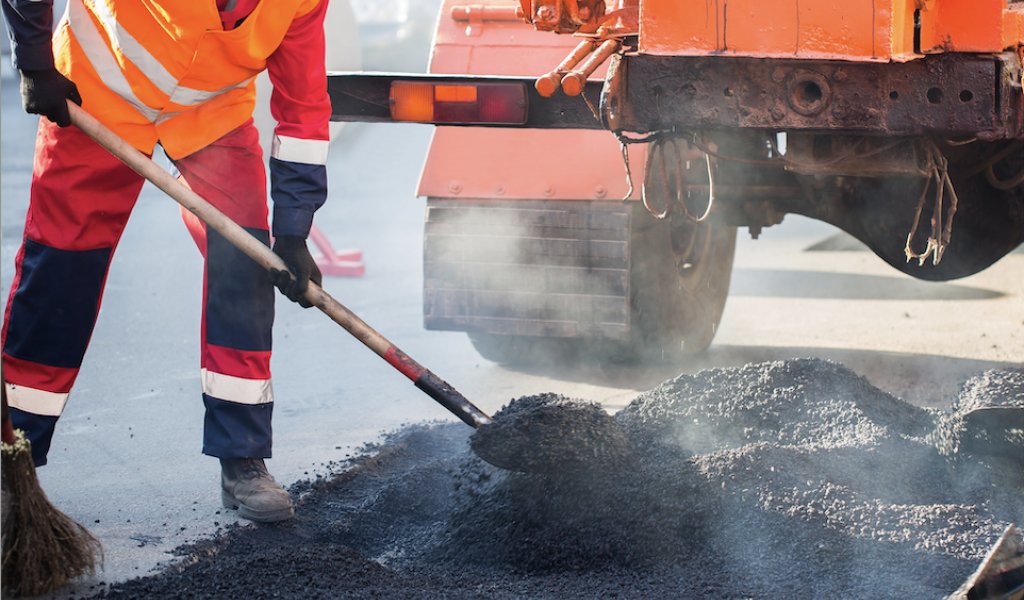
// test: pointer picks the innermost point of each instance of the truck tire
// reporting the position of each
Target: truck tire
(679, 281)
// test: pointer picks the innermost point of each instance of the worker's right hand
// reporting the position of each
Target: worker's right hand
(294, 252)
(46, 93)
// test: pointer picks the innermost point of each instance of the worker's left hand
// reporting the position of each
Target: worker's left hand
(292, 249)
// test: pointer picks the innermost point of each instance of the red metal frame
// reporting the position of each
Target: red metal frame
(346, 263)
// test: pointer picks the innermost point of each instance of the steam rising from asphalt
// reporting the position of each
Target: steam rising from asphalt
(559, 272)
(771, 477)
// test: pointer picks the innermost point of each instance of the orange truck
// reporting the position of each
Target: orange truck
(592, 161)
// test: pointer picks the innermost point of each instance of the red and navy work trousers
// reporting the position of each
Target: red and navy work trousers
(80, 201)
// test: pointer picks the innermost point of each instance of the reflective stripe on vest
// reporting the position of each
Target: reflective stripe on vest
(105, 63)
(102, 60)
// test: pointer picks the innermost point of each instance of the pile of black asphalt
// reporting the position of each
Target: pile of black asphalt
(774, 480)
(553, 435)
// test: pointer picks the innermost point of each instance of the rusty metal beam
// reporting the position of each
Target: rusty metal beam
(948, 94)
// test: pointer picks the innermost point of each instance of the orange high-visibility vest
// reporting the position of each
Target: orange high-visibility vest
(154, 70)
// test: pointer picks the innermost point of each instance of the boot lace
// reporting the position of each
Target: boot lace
(252, 469)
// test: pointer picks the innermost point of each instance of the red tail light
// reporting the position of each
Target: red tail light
(483, 103)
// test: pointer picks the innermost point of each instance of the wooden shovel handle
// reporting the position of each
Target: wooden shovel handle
(255, 249)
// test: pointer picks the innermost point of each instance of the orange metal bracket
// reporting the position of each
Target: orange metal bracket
(561, 16)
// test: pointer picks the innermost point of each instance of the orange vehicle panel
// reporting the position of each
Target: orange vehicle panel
(474, 162)
(962, 26)
(858, 30)
(861, 30)
(534, 164)
(1013, 27)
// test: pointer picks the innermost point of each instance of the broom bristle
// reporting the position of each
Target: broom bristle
(43, 549)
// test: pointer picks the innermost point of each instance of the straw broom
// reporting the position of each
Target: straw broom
(43, 548)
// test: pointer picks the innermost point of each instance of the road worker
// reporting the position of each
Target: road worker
(178, 75)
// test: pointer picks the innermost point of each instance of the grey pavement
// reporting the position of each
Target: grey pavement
(126, 459)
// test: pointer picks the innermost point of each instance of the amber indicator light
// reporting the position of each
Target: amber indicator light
(484, 103)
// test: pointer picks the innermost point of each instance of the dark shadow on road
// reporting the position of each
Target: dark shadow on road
(821, 285)
(844, 242)
(840, 242)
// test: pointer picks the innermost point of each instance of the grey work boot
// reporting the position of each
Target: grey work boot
(247, 486)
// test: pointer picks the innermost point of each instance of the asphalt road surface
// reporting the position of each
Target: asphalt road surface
(126, 459)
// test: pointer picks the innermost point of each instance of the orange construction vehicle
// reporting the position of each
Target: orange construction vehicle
(584, 189)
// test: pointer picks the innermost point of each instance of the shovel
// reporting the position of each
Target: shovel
(426, 381)
(543, 438)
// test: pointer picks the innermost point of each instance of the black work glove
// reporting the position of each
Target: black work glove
(46, 93)
(292, 249)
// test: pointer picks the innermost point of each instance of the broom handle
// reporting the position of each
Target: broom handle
(431, 384)
(6, 429)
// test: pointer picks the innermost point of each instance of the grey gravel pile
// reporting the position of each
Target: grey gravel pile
(774, 480)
